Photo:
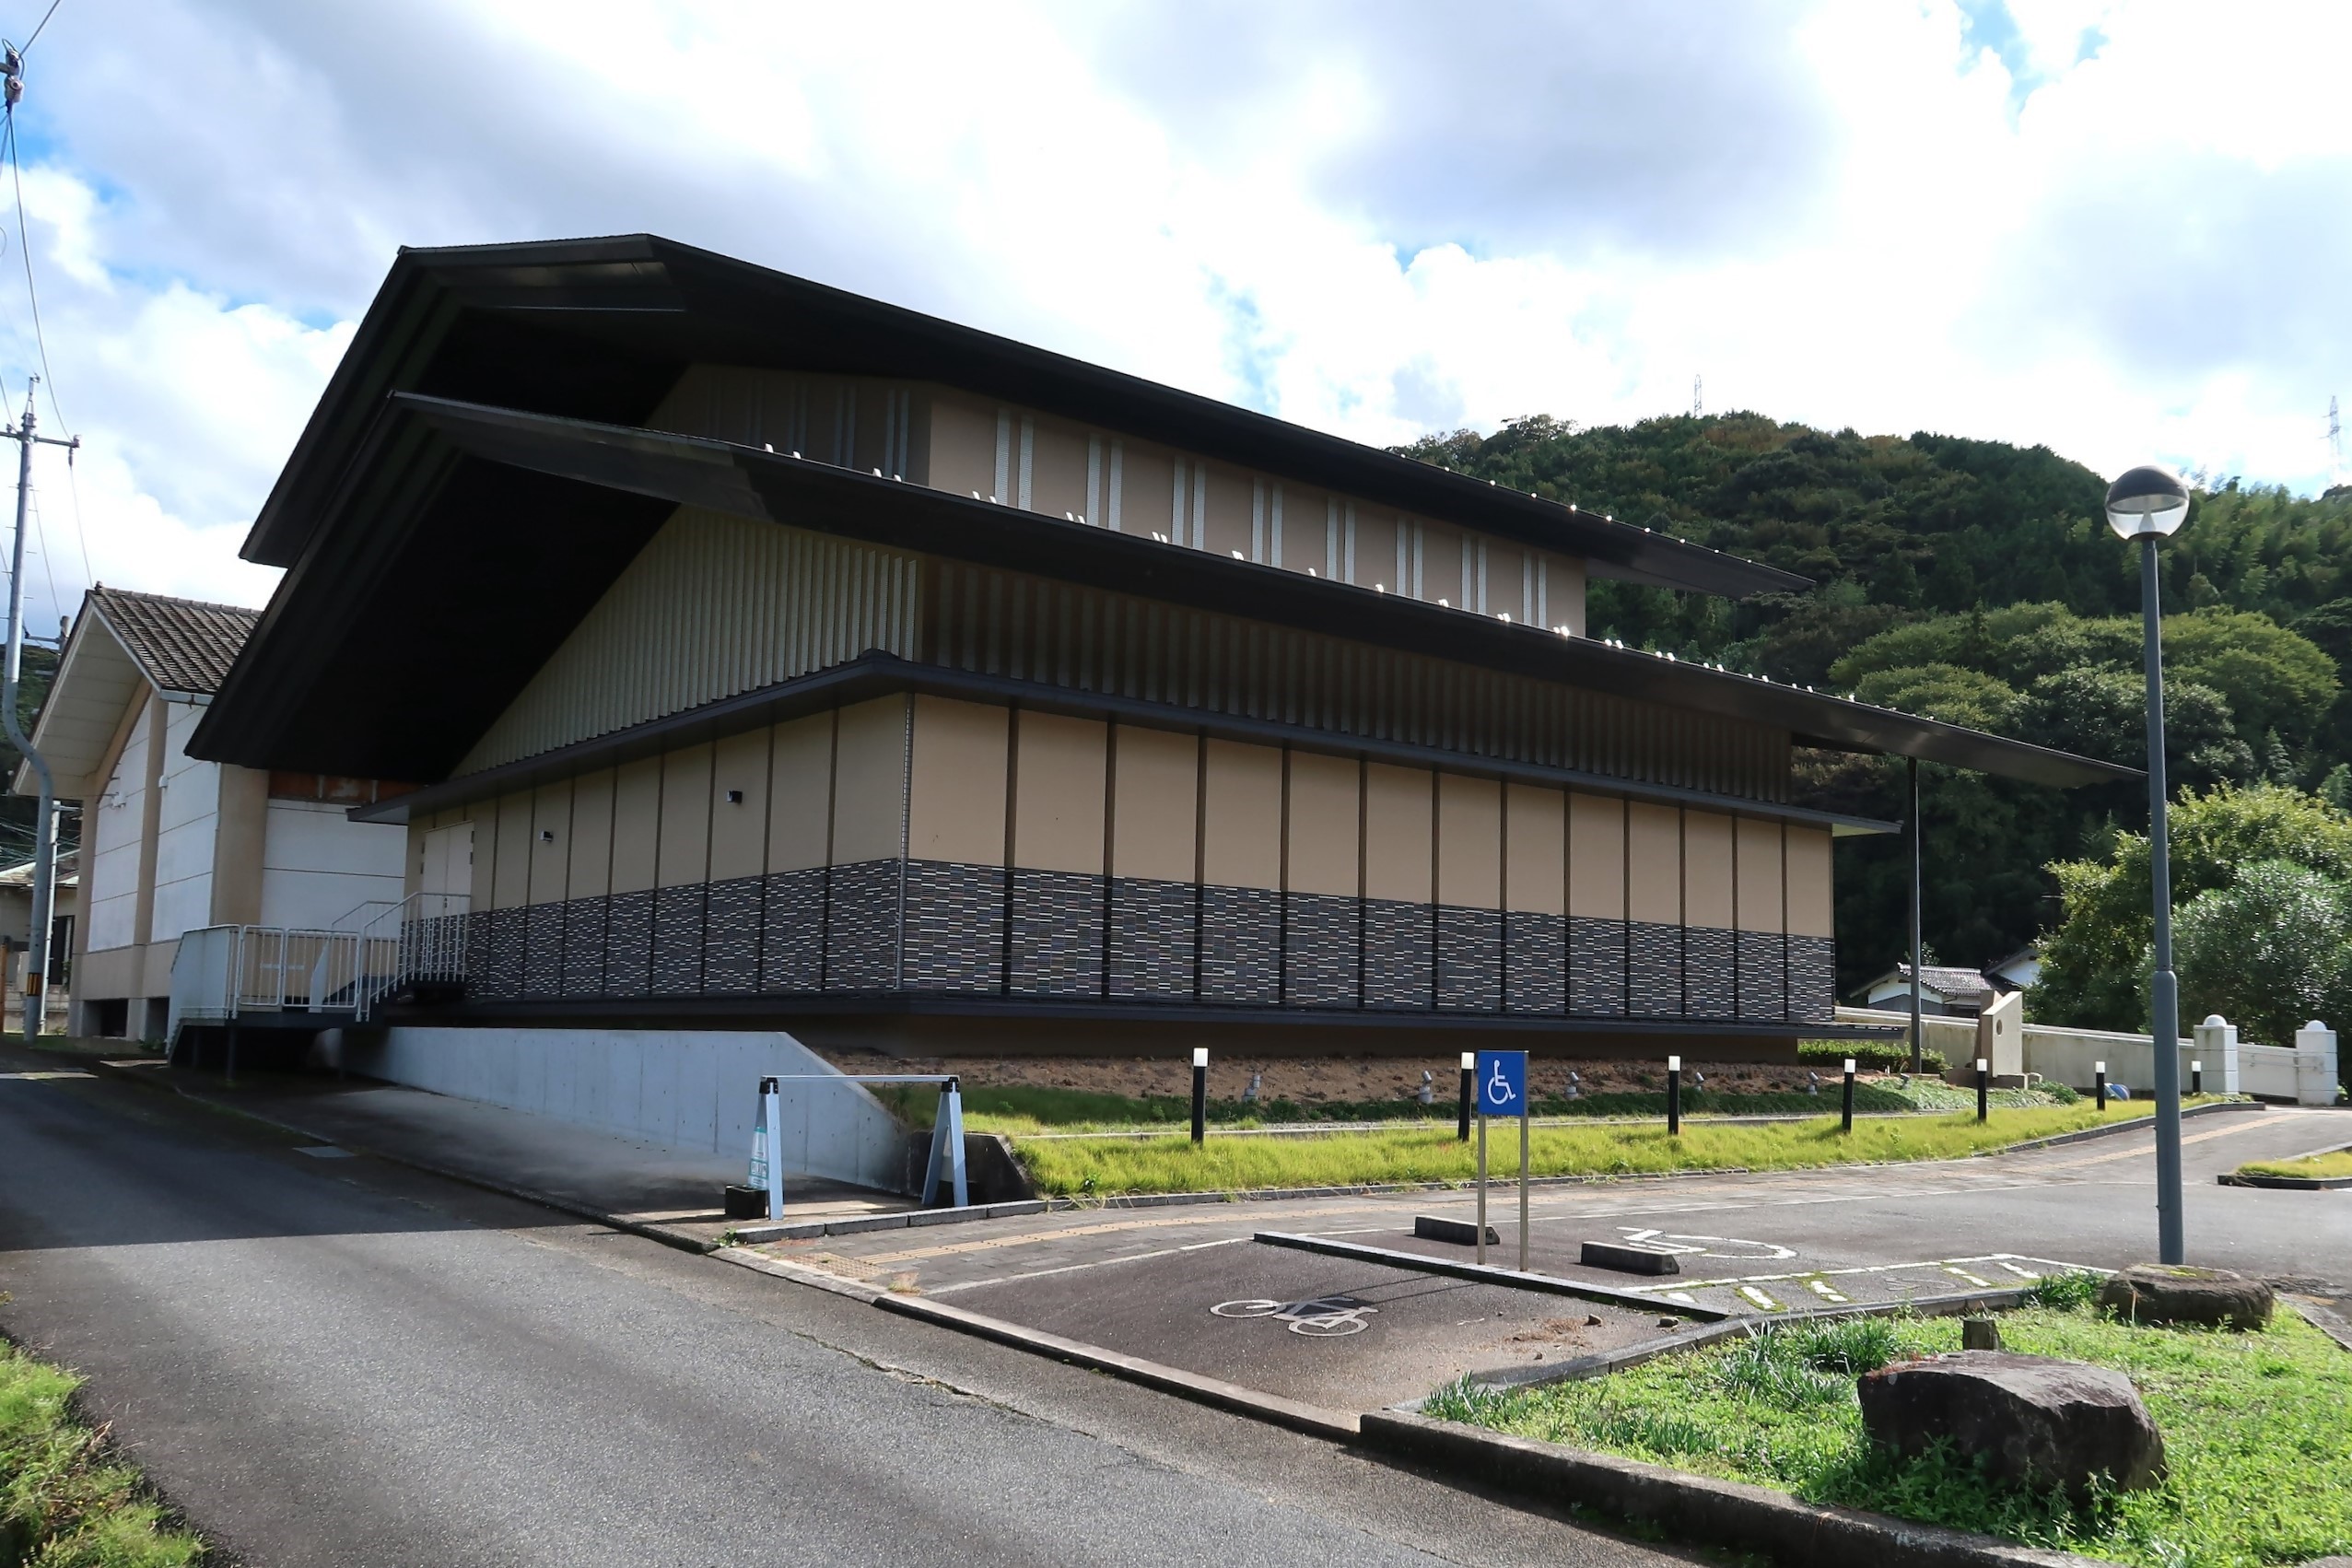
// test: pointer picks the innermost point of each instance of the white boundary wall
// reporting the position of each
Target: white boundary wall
(685, 1088)
(2071, 1056)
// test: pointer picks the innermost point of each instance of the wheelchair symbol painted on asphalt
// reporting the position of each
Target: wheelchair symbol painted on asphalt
(1709, 1246)
(1324, 1318)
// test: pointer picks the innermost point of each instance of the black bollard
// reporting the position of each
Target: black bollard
(1674, 1096)
(2101, 1070)
(1199, 1093)
(1848, 1116)
(2196, 1078)
(1470, 1091)
(1984, 1087)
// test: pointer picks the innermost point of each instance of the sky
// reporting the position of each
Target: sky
(2118, 230)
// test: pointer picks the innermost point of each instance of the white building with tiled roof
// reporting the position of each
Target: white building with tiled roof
(171, 842)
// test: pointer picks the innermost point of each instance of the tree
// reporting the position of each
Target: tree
(2094, 965)
(2269, 952)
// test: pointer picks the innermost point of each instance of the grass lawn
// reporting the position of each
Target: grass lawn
(2318, 1165)
(1020, 1108)
(2259, 1451)
(1080, 1167)
(63, 1503)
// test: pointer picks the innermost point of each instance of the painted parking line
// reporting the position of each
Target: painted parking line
(1821, 1288)
(1760, 1298)
(1843, 1280)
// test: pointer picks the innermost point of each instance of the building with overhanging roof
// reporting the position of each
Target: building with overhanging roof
(171, 842)
(767, 654)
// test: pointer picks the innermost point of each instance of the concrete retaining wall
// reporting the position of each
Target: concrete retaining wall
(688, 1089)
(2304, 1072)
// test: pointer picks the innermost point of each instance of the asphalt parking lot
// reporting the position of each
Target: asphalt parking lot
(1331, 1331)
(1175, 1285)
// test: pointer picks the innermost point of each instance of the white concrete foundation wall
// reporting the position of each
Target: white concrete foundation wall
(688, 1089)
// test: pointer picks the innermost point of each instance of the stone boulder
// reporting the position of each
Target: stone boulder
(2166, 1293)
(2034, 1421)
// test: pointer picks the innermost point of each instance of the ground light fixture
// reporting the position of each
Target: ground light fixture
(2149, 504)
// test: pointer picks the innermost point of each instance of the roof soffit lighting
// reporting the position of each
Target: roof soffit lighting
(2147, 502)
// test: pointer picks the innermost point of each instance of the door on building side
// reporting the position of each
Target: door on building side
(447, 870)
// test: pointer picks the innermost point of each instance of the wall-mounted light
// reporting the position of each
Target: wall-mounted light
(546, 836)
(735, 797)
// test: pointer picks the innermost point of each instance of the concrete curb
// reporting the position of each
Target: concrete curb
(1486, 1274)
(1691, 1507)
(1607, 1362)
(2285, 1183)
(1313, 1420)
(816, 1278)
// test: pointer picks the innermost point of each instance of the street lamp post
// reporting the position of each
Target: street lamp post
(2147, 504)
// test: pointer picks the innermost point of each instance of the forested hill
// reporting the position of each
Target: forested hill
(1976, 581)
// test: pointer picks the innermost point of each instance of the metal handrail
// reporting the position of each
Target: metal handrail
(423, 937)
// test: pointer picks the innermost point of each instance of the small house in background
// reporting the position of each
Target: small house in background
(169, 842)
(16, 930)
(2017, 971)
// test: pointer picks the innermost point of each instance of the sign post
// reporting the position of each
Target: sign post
(1503, 1090)
(767, 1146)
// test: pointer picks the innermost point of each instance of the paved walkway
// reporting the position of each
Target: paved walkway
(602, 1172)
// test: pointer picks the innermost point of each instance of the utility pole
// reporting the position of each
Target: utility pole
(44, 854)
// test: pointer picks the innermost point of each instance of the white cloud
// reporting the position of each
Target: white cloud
(2108, 227)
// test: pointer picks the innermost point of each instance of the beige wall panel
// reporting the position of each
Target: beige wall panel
(1469, 842)
(1398, 819)
(1056, 469)
(1761, 907)
(637, 825)
(800, 799)
(511, 865)
(1226, 510)
(1564, 586)
(1306, 535)
(739, 830)
(1507, 590)
(590, 875)
(1375, 549)
(1535, 845)
(1155, 811)
(1707, 874)
(956, 812)
(963, 454)
(1058, 793)
(1242, 816)
(1441, 570)
(1596, 857)
(869, 782)
(239, 834)
(1811, 910)
(551, 812)
(1326, 792)
(686, 817)
(1653, 864)
(1147, 490)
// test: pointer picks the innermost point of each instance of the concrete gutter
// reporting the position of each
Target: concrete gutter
(1690, 1507)
(1314, 1420)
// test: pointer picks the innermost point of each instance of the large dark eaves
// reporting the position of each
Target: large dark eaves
(601, 328)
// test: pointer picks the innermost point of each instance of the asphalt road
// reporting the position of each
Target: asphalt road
(339, 1361)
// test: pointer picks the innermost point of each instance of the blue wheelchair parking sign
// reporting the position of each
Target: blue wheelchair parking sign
(1502, 1083)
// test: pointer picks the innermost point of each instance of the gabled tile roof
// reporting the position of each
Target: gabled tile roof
(183, 645)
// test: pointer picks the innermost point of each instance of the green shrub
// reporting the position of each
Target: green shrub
(1869, 1056)
(2075, 1289)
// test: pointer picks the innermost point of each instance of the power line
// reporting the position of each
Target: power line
(44, 23)
(24, 252)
